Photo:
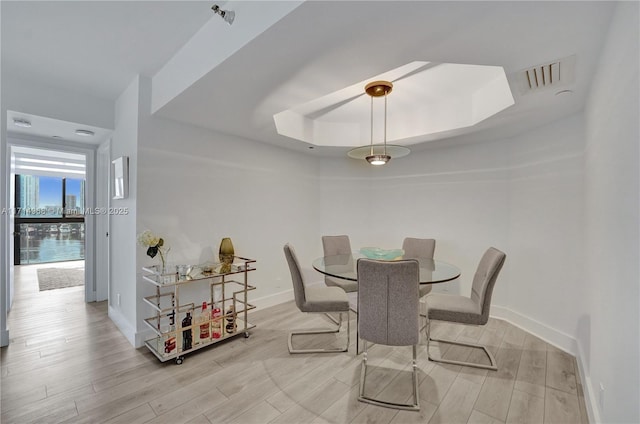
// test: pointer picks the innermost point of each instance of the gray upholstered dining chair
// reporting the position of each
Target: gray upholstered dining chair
(388, 314)
(315, 299)
(467, 310)
(419, 248)
(338, 245)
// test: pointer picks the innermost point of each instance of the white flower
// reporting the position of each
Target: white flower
(148, 239)
(154, 244)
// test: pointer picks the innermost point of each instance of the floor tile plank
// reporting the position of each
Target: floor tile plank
(561, 407)
(458, 403)
(525, 409)
(560, 374)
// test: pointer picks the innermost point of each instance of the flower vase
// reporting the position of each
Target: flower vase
(163, 268)
(226, 255)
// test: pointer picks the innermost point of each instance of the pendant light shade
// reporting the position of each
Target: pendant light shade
(378, 159)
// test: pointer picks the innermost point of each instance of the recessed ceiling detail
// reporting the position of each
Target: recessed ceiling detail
(428, 98)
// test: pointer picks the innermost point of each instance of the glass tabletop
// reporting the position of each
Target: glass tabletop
(345, 267)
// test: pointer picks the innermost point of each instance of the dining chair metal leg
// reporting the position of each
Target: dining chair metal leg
(363, 369)
(357, 335)
(414, 406)
(335, 321)
(327, 350)
(493, 365)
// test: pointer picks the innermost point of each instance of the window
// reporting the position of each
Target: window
(49, 223)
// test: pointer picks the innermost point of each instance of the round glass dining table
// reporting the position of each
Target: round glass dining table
(345, 267)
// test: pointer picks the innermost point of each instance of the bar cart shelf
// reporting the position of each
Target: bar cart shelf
(228, 289)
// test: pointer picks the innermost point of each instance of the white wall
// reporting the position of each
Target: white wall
(455, 195)
(124, 142)
(609, 335)
(470, 197)
(545, 230)
(197, 186)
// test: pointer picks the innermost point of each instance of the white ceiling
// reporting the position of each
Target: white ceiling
(44, 127)
(95, 47)
(317, 49)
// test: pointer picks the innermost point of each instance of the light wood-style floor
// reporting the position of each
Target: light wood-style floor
(67, 362)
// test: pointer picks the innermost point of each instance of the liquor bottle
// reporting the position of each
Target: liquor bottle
(187, 335)
(231, 320)
(170, 339)
(216, 324)
(169, 345)
(203, 335)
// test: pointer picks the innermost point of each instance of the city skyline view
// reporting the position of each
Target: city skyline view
(37, 193)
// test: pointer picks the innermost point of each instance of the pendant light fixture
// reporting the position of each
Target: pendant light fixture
(378, 89)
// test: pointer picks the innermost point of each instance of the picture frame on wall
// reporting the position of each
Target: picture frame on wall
(120, 177)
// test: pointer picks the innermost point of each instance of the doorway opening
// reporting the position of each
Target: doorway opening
(49, 216)
(58, 231)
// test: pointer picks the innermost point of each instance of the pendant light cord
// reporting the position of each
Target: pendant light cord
(385, 123)
(371, 120)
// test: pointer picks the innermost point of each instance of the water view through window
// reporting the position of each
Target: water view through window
(49, 219)
(41, 243)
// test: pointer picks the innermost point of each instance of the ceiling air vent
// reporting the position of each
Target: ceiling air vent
(552, 74)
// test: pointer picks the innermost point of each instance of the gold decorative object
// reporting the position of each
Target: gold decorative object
(226, 255)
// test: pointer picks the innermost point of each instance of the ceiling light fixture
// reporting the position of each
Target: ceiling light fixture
(22, 122)
(378, 89)
(227, 15)
(85, 133)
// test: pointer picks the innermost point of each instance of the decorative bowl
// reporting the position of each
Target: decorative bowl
(384, 254)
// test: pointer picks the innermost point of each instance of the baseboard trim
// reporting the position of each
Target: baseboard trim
(123, 325)
(562, 341)
(142, 336)
(273, 299)
(4, 338)
(550, 335)
(590, 398)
